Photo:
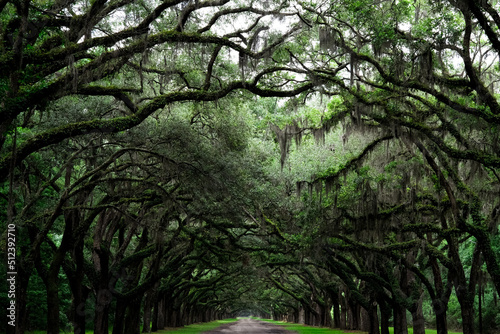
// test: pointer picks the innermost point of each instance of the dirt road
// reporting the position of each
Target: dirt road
(249, 326)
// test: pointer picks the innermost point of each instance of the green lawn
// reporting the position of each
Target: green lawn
(301, 329)
(305, 329)
(427, 331)
(198, 328)
(88, 331)
(191, 329)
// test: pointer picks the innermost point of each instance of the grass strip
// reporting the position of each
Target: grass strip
(197, 328)
(427, 331)
(302, 329)
(191, 329)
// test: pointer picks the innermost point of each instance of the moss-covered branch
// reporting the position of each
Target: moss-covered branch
(118, 124)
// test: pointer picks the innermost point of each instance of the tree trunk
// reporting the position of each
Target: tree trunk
(178, 318)
(170, 315)
(440, 304)
(187, 315)
(319, 318)
(101, 320)
(327, 315)
(385, 315)
(119, 322)
(364, 320)
(22, 281)
(440, 313)
(480, 308)
(418, 318)
(400, 323)
(146, 317)
(353, 316)
(467, 308)
(80, 296)
(302, 319)
(53, 279)
(78, 290)
(464, 296)
(154, 317)
(343, 317)
(171, 318)
(161, 313)
(307, 317)
(52, 304)
(336, 310)
(157, 321)
(374, 324)
(133, 319)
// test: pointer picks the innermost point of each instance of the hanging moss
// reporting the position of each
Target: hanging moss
(284, 137)
(327, 39)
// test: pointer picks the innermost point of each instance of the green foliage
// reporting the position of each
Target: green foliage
(144, 162)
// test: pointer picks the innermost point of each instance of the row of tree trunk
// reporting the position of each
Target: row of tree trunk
(346, 314)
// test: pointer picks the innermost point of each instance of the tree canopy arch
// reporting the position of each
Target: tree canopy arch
(139, 161)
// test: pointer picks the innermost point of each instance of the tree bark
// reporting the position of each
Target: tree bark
(161, 312)
(53, 279)
(155, 315)
(53, 304)
(22, 281)
(385, 314)
(101, 320)
(119, 321)
(343, 312)
(133, 318)
(365, 320)
(480, 307)
(327, 314)
(353, 315)
(440, 309)
(418, 318)
(302, 319)
(400, 323)
(440, 304)
(374, 323)
(146, 317)
(336, 310)
(467, 308)
(78, 290)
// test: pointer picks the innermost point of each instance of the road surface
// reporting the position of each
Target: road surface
(249, 326)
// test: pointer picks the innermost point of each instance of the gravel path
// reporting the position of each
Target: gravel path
(249, 326)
